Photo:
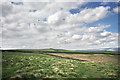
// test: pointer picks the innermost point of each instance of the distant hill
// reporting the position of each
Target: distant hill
(102, 49)
(110, 49)
(51, 50)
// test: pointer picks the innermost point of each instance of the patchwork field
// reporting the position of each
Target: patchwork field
(59, 65)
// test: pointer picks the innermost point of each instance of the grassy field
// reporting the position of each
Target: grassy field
(32, 65)
(69, 51)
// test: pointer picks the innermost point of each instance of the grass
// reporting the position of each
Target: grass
(70, 51)
(31, 65)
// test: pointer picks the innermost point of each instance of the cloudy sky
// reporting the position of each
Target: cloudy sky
(68, 25)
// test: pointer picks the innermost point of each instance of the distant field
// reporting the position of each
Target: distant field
(70, 51)
(99, 58)
(32, 65)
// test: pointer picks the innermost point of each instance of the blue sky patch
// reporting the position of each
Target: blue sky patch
(74, 11)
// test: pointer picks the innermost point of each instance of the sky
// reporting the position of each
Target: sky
(63, 25)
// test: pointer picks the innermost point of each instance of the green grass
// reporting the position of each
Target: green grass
(71, 51)
(31, 65)
(49, 50)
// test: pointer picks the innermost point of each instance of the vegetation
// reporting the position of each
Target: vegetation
(70, 51)
(32, 65)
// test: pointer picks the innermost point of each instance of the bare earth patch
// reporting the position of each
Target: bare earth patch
(110, 59)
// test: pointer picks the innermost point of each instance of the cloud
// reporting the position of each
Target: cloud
(89, 15)
(75, 36)
(104, 3)
(117, 9)
(52, 25)
(6, 9)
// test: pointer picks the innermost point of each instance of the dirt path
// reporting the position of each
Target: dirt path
(111, 59)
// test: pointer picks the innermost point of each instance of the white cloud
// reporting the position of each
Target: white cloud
(6, 9)
(75, 36)
(89, 15)
(105, 33)
(117, 9)
(104, 3)
(52, 25)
